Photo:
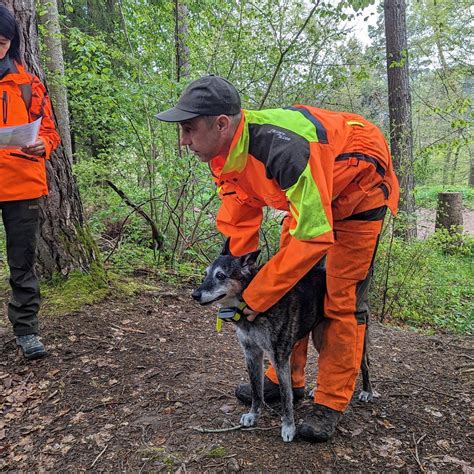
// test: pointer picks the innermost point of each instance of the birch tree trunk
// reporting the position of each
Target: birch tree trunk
(54, 61)
(399, 102)
(65, 244)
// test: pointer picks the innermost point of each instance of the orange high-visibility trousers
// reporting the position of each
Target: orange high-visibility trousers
(348, 272)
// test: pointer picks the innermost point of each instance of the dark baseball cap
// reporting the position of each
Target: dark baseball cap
(209, 95)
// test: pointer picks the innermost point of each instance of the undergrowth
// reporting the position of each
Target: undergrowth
(429, 284)
(427, 196)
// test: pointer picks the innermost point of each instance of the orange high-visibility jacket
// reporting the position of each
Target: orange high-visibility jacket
(317, 165)
(23, 176)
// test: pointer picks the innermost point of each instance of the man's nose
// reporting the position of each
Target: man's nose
(183, 140)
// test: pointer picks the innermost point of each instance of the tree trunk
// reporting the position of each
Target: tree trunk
(455, 165)
(399, 101)
(55, 71)
(446, 166)
(65, 244)
(471, 174)
(181, 33)
(182, 73)
(449, 212)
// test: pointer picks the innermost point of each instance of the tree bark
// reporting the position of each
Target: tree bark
(399, 101)
(181, 33)
(65, 243)
(471, 174)
(55, 71)
(449, 212)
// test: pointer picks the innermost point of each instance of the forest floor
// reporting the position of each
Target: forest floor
(129, 381)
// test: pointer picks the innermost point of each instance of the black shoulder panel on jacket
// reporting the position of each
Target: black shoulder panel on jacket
(285, 154)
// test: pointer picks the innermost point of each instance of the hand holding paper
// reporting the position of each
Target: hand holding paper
(37, 149)
(21, 136)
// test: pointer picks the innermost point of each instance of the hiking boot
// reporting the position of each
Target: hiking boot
(271, 392)
(319, 425)
(31, 346)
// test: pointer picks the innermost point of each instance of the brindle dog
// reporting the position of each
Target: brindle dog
(275, 331)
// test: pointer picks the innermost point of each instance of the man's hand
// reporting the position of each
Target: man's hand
(37, 149)
(251, 314)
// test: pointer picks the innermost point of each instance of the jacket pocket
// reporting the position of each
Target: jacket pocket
(24, 156)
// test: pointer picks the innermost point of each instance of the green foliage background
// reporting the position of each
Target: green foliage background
(121, 70)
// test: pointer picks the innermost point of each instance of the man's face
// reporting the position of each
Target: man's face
(205, 137)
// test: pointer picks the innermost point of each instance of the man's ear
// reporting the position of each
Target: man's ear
(223, 122)
(250, 259)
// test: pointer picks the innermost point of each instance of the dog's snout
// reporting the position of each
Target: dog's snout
(196, 294)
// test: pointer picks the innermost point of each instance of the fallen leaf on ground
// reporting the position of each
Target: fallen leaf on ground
(443, 443)
(68, 439)
(433, 412)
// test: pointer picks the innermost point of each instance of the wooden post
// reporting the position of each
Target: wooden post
(449, 212)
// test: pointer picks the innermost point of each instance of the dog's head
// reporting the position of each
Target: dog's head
(226, 278)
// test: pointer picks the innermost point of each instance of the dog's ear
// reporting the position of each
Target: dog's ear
(226, 248)
(250, 259)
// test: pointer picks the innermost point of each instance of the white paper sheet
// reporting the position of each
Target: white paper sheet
(19, 135)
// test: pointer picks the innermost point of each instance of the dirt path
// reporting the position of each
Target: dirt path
(126, 382)
(426, 219)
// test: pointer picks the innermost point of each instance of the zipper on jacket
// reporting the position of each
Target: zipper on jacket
(5, 107)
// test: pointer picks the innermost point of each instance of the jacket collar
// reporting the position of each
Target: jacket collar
(236, 158)
(17, 74)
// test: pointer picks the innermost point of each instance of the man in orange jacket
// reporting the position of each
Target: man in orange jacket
(23, 183)
(332, 175)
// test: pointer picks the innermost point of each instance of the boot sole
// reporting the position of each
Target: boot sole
(313, 438)
(33, 355)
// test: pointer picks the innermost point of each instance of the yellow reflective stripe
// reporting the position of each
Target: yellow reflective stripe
(292, 120)
(237, 158)
(355, 122)
(307, 208)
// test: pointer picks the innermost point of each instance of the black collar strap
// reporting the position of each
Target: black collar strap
(232, 313)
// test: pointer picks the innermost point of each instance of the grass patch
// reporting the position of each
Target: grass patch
(427, 287)
(217, 452)
(160, 455)
(62, 296)
(427, 196)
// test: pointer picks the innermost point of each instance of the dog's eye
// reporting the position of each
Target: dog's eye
(220, 276)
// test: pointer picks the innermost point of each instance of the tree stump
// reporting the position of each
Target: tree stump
(449, 212)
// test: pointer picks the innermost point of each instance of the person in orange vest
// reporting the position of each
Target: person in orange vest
(23, 183)
(332, 175)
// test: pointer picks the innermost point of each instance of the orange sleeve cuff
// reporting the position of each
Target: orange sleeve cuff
(48, 148)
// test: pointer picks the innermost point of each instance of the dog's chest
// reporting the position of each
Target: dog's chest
(254, 336)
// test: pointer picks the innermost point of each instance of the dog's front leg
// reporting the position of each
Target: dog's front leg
(254, 359)
(288, 427)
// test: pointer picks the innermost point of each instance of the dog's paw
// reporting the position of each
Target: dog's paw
(288, 432)
(249, 419)
(366, 396)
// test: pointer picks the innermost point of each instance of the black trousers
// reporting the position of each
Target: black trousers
(21, 220)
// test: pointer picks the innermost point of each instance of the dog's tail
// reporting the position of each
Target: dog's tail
(317, 334)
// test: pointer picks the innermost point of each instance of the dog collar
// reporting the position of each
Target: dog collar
(232, 313)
